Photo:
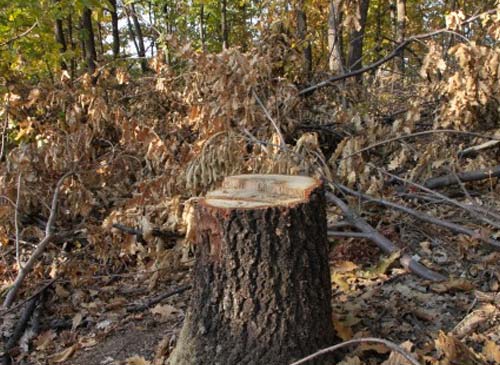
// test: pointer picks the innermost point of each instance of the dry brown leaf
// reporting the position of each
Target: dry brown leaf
(65, 354)
(43, 341)
(137, 360)
(492, 352)
(165, 311)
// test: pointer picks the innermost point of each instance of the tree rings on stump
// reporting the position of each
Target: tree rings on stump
(261, 282)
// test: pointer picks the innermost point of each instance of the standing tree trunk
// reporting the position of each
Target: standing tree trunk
(224, 28)
(140, 39)
(72, 45)
(301, 23)
(88, 39)
(62, 41)
(356, 40)
(400, 33)
(261, 291)
(335, 63)
(114, 28)
(202, 28)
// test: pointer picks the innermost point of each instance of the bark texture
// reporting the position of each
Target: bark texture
(261, 292)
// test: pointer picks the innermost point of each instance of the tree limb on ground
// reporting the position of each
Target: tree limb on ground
(453, 179)
(382, 242)
(166, 235)
(472, 151)
(423, 217)
(396, 52)
(23, 272)
(478, 212)
(149, 303)
(391, 345)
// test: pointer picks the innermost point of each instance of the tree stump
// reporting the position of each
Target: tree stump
(261, 281)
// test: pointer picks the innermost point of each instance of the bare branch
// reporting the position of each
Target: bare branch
(452, 179)
(391, 345)
(387, 58)
(382, 242)
(418, 134)
(15, 38)
(23, 272)
(423, 217)
(268, 115)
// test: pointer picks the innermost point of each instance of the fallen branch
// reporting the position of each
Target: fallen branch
(473, 210)
(11, 295)
(382, 242)
(396, 52)
(472, 151)
(418, 134)
(347, 234)
(390, 345)
(140, 234)
(423, 217)
(143, 306)
(18, 331)
(452, 179)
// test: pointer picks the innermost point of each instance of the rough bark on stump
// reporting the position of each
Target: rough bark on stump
(261, 282)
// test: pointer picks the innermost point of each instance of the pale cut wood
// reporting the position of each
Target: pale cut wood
(253, 191)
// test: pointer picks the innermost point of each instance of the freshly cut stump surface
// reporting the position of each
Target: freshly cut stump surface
(261, 282)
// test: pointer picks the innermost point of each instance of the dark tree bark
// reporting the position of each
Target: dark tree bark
(356, 40)
(301, 22)
(261, 291)
(224, 28)
(115, 29)
(202, 27)
(61, 40)
(88, 39)
(59, 33)
(72, 45)
(140, 39)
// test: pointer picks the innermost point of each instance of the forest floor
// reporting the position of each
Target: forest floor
(371, 298)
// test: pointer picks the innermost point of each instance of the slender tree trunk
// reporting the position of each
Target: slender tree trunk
(88, 38)
(72, 44)
(224, 25)
(261, 292)
(357, 39)
(115, 29)
(202, 27)
(99, 36)
(378, 31)
(301, 23)
(335, 63)
(62, 41)
(400, 32)
(140, 40)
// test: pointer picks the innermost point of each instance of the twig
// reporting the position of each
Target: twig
(472, 151)
(16, 221)
(347, 234)
(391, 345)
(423, 217)
(382, 242)
(139, 233)
(35, 294)
(11, 295)
(417, 134)
(19, 35)
(153, 301)
(387, 58)
(452, 179)
(472, 210)
(268, 115)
